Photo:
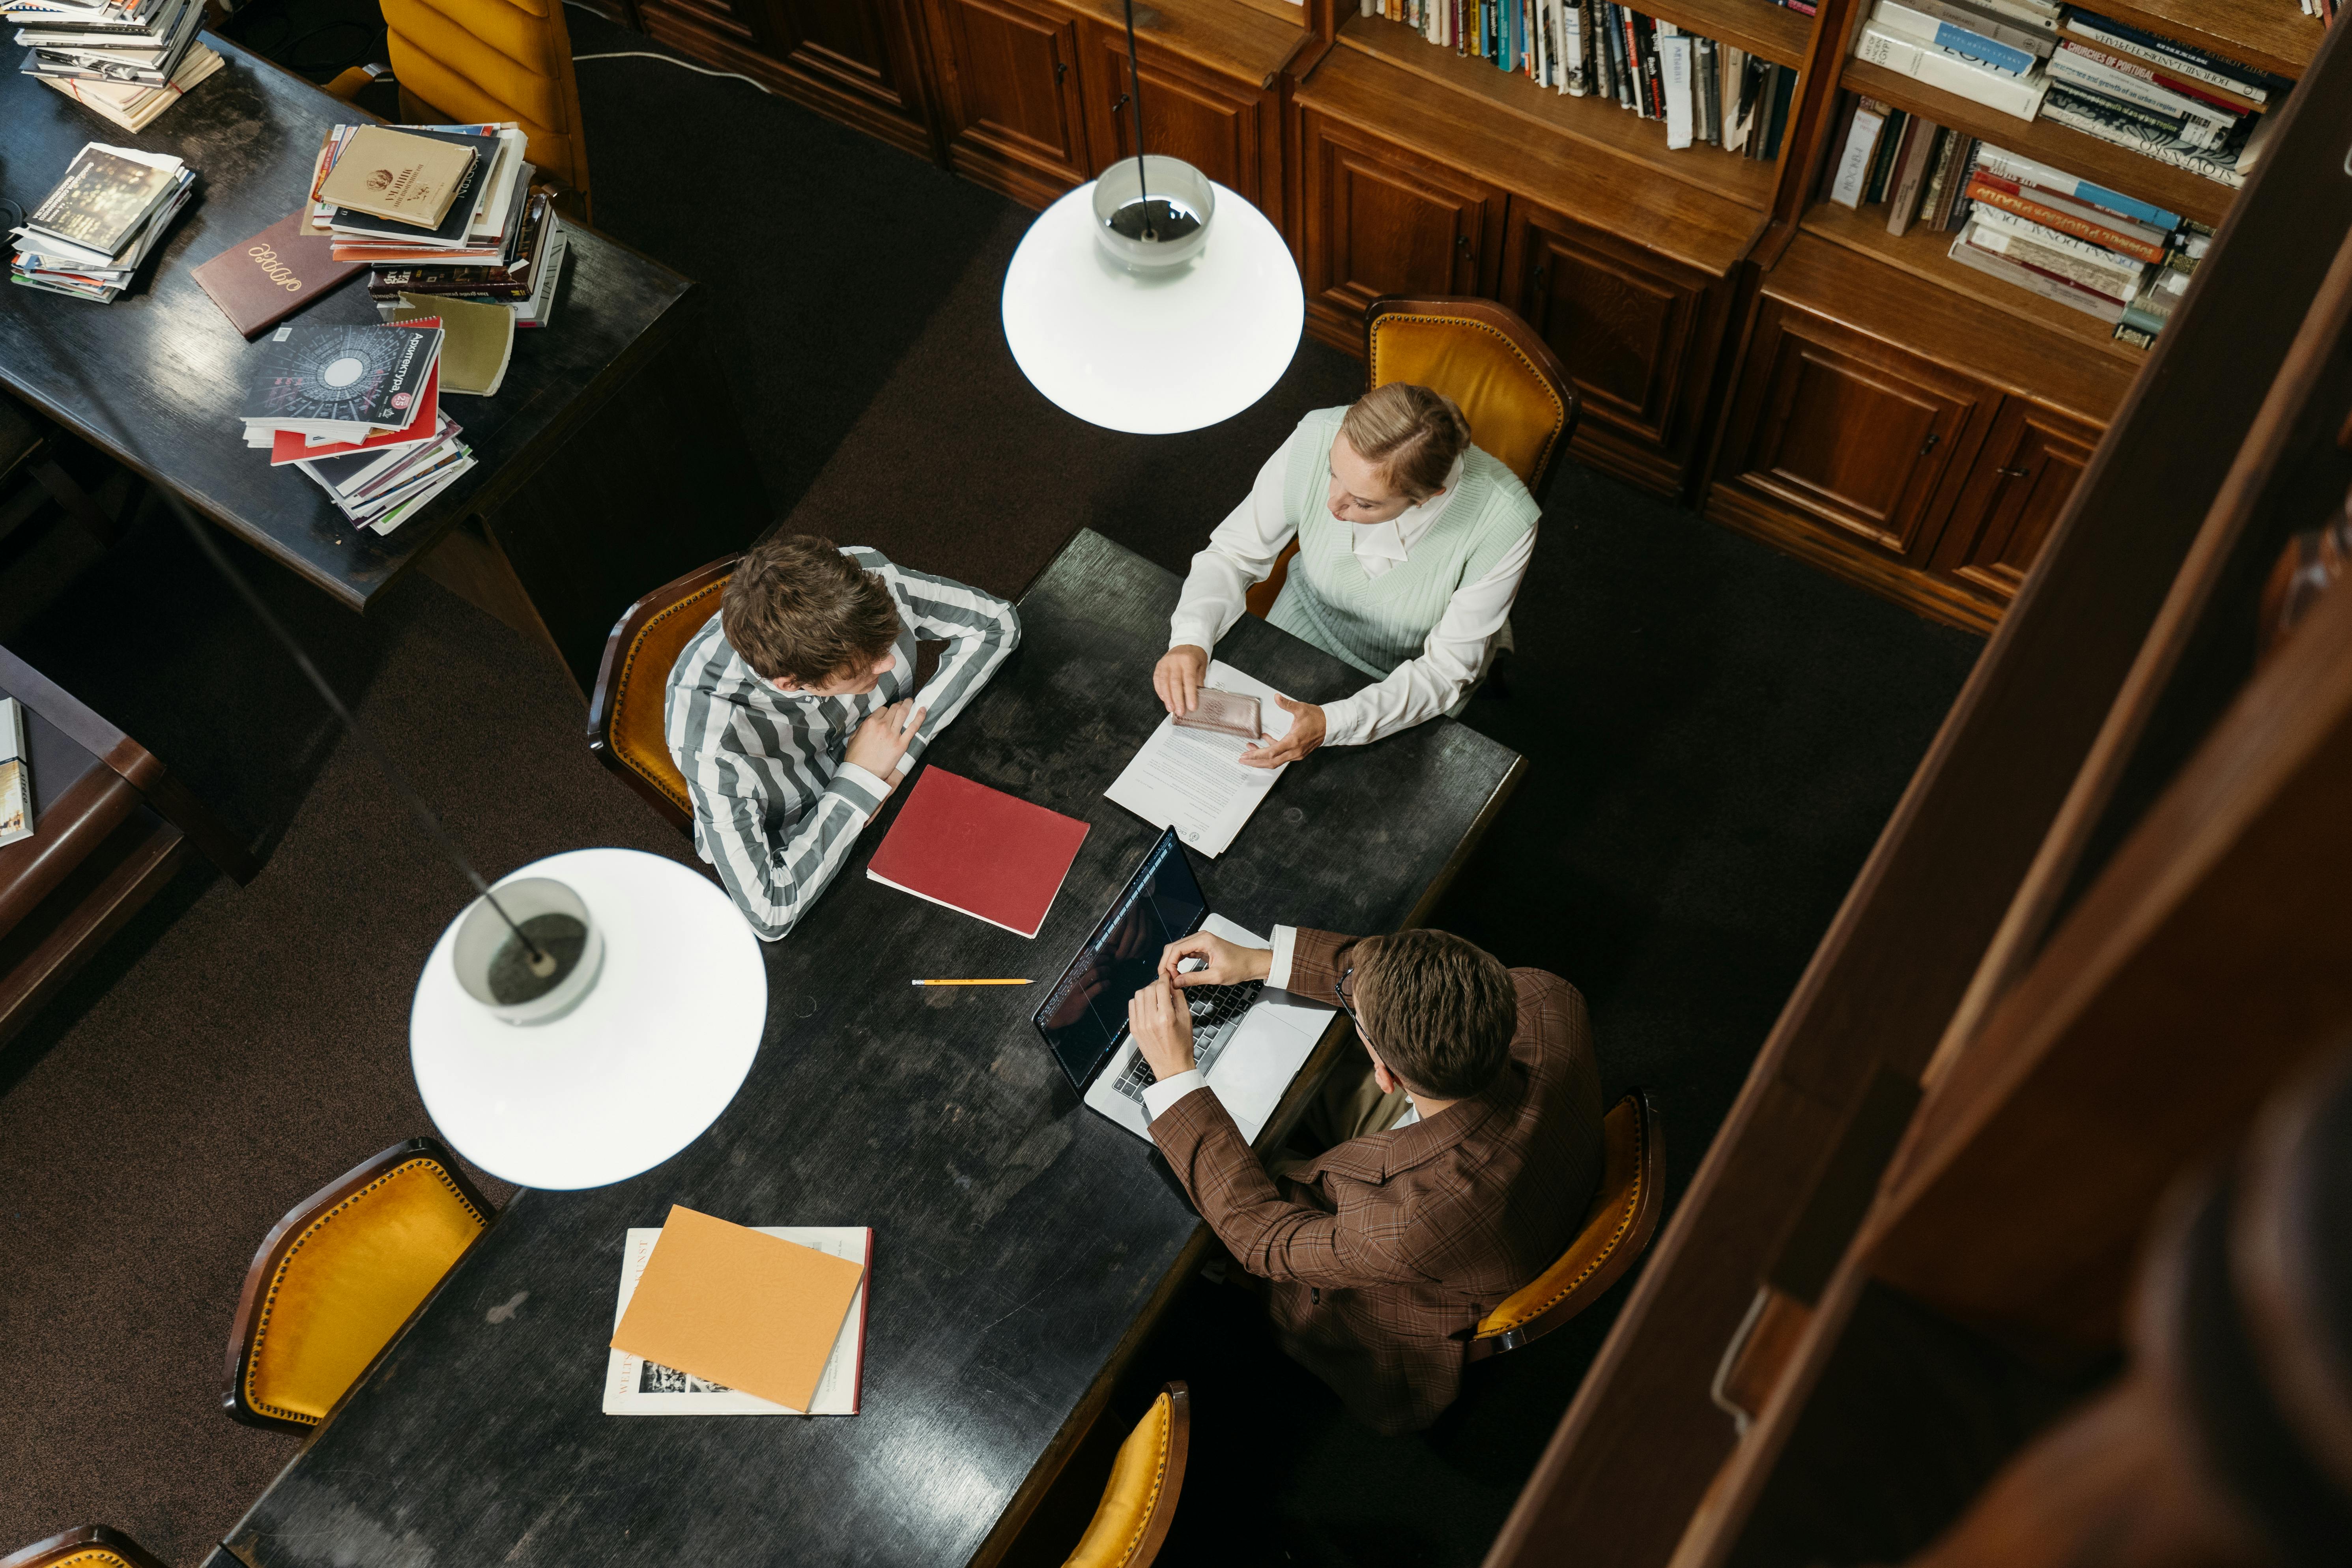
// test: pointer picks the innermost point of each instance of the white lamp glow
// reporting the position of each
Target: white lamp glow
(636, 1069)
(1152, 351)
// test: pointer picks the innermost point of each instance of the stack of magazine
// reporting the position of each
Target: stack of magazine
(90, 235)
(127, 59)
(357, 409)
(507, 249)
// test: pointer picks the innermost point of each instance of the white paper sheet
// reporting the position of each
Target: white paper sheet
(1194, 780)
(633, 1386)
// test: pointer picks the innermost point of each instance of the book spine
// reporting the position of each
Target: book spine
(2052, 262)
(1911, 179)
(1675, 71)
(1654, 76)
(2122, 114)
(2033, 42)
(2026, 172)
(2008, 271)
(2218, 70)
(1990, 194)
(1952, 38)
(1890, 147)
(2077, 69)
(2125, 272)
(2010, 95)
(2163, 80)
(2100, 120)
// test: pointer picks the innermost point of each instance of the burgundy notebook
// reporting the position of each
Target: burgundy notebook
(260, 282)
(978, 850)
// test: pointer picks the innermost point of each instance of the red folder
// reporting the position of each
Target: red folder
(978, 850)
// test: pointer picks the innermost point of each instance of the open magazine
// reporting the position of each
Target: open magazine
(636, 1386)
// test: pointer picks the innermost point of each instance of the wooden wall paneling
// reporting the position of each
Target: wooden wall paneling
(1012, 106)
(1638, 332)
(1642, 1443)
(1229, 130)
(858, 61)
(1382, 220)
(2032, 460)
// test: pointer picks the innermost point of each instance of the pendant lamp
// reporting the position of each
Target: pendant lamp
(1152, 299)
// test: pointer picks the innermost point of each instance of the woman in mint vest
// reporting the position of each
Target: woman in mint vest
(1412, 542)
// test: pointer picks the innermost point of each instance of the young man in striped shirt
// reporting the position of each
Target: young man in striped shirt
(789, 712)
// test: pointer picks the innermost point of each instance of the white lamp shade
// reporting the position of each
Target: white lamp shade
(637, 1070)
(1152, 351)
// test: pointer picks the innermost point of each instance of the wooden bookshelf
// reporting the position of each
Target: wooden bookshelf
(1597, 121)
(2118, 168)
(1925, 254)
(1282, 10)
(1249, 42)
(2270, 35)
(1773, 32)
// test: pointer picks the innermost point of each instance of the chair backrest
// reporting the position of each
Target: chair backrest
(1616, 1229)
(1138, 1501)
(496, 60)
(84, 1546)
(627, 713)
(1511, 386)
(333, 1285)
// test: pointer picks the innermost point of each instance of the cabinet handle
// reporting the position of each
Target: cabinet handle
(2015, 473)
(1543, 272)
(1119, 103)
(1929, 444)
(1060, 70)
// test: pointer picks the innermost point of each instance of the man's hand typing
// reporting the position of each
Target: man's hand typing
(1162, 1026)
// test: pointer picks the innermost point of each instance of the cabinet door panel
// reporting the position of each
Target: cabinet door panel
(1631, 327)
(1008, 89)
(1380, 221)
(1855, 434)
(2030, 463)
(1220, 127)
(852, 41)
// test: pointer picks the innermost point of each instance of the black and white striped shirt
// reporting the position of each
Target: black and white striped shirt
(775, 807)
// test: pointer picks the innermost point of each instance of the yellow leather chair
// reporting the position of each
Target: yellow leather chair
(1511, 386)
(337, 1280)
(1138, 1501)
(626, 724)
(460, 62)
(1616, 1229)
(85, 1546)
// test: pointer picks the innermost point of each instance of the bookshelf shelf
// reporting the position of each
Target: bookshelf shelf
(1774, 32)
(1925, 255)
(2272, 34)
(1595, 120)
(2118, 168)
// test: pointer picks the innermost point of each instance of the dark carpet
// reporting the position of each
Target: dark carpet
(1715, 736)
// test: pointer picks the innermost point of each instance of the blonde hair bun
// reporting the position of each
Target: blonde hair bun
(1413, 432)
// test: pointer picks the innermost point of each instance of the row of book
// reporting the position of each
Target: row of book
(2182, 105)
(1707, 93)
(2124, 260)
(358, 410)
(501, 241)
(95, 230)
(127, 60)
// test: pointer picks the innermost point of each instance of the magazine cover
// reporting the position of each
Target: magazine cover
(366, 375)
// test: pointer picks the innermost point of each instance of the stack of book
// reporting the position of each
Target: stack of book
(124, 43)
(2185, 106)
(90, 235)
(1988, 51)
(506, 246)
(1707, 93)
(132, 105)
(358, 410)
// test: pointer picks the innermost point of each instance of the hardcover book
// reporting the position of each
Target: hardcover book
(350, 375)
(450, 230)
(269, 276)
(397, 174)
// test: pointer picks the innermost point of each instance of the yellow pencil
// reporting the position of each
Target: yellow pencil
(971, 983)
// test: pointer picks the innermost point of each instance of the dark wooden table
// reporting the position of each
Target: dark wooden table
(1019, 1238)
(610, 462)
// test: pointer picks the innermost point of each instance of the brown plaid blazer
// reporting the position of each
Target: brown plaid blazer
(1387, 1251)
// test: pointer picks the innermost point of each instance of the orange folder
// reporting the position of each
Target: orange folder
(724, 1302)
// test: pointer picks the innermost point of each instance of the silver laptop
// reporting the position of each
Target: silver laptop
(1248, 1040)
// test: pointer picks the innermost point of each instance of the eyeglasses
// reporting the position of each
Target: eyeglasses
(1344, 988)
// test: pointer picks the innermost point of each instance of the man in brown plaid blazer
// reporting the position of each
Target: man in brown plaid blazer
(1475, 1162)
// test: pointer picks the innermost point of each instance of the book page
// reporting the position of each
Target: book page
(1194, 780)
(636, 1386)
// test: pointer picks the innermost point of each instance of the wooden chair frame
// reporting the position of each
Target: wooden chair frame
(273, 1250)
(1513, 329)
(81, 1538)
(620, 651)
(1639, 1222)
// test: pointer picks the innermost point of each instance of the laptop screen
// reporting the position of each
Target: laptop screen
(1084, 1019)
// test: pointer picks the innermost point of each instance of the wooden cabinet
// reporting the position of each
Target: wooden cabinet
(1223, 127)
(1637, 332)
(855, 59)
(2030, 463)
(1382, 220)
(1011, 113)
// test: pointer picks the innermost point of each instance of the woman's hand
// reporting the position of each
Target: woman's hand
(1305, 734)
(1178, 677)
(1222, 962)
(1162, 1026)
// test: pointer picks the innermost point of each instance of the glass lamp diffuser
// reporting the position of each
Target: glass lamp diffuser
(1158, 215)
(499, 970)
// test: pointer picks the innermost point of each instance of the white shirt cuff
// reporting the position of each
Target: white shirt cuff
(1344, 722)
(1159, 1098)
(1277, 971)
(1192, 631)
(866, 781)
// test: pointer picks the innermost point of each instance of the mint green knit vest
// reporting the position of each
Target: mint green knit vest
(1378, 623)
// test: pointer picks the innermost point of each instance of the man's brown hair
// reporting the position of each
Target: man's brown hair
(1441, 1011)
(797, 609)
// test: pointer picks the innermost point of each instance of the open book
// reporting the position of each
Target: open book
(636, 1386)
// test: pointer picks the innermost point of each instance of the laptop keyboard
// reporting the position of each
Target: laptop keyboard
(1216, 1014)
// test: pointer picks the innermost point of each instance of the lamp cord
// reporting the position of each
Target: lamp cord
(1135, 102)
(213, 552)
